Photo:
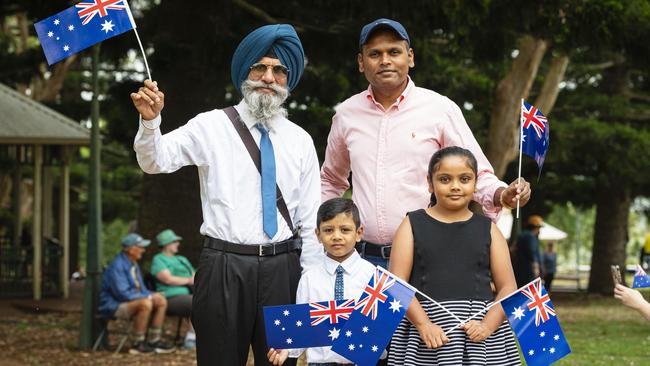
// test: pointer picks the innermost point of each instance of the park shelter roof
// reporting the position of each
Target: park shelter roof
(24, 121)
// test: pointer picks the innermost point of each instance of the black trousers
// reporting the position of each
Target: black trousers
(230, 292)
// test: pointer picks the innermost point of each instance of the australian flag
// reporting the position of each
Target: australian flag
(534, 133)
(314, 324)
(641, 279)
(377, 314)
(81, 26)
(532, 318)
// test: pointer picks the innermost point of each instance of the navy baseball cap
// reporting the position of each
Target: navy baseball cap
(134, 239)
(383, 23)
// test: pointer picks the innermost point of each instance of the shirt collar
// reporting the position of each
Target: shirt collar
(348, 264)
(409, 86)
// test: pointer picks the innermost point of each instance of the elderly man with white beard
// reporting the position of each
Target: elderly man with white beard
(258, 216)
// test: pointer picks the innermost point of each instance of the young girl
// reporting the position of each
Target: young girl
(452, 255)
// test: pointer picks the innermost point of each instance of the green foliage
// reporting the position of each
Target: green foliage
(111, 237)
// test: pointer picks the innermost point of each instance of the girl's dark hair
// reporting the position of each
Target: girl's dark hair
(332, 207)
(437, 157)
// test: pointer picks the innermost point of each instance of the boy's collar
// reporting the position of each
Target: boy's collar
(347, 264)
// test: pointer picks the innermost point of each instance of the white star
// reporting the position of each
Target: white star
(276, 322)
(552, 350)
(544, 349)
(518, 313)
(523, 137)
(375, 348)
(364, 329)
(107, 26)
(56, 22)
(334, 333)
(71, 27)
(556, 337)
(289, 340)
(57, 38)
(351, 347)
(283, 328)
(66, 48)
(395, 305)
(285, 313)
(50, 34)
(361, 346)
(531, 352)
(348, 334)
(298, 323)
(542, 334)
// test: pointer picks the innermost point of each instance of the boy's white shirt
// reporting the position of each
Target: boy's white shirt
(317, 284)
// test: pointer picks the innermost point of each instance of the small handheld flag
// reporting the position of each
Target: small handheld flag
(81, 26)
(641, 279)
(377, 314)
(315, 324)
(532, 317)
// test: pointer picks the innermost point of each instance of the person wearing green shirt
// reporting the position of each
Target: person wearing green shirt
(175, 279)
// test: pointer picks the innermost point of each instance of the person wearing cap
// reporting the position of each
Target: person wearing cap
(174, 278)
(124, 296)
(385, 136)
(256, 240)
(527, 257)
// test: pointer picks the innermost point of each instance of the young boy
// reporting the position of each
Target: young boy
(343, 274)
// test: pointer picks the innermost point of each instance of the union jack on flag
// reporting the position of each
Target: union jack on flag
(374, 293)
(98, 7)
(328, 310)
(531, 116)
(542, 341)
(538, 302)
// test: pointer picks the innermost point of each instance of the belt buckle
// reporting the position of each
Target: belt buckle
(385, 249)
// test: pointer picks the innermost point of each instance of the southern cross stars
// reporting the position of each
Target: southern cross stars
(298, 323)
(107, 26)
(395, 305)
(364, 329)
(518, 313)
(50, 34)
(71, 27)
(56, 22)
(276, 322)
(66, 48)
(334, 333)
(285, 313)
(348, 334)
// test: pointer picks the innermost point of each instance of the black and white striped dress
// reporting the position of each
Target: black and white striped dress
(451, 263)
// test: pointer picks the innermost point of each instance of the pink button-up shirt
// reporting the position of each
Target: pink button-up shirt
(388, 152)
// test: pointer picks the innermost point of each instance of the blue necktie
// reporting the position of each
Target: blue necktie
(267, 158)
(338, 284)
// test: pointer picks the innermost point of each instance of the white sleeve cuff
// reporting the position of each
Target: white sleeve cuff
(151, 125)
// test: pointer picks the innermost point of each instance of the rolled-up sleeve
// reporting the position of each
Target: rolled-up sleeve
(456, 132)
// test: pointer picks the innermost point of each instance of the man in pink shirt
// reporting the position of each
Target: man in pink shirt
(386, 135)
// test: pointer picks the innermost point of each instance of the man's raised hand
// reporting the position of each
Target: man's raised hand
(149, 100)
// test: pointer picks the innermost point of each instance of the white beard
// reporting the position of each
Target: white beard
(263, 107)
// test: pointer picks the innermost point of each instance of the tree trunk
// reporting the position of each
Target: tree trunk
(610, 236)
(503, 136)
(546, 99)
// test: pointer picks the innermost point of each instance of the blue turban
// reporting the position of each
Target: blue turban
(282, 39)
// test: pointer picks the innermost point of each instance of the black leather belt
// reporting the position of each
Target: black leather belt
(372, 249)
(260, 250)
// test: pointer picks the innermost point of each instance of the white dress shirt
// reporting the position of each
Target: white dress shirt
(317, 285)
(230, 183)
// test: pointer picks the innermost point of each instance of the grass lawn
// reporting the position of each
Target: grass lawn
(601, 331)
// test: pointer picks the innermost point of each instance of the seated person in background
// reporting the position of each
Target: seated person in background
(342, 274)
(632, 299)
(175, 279)
(124, 296)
